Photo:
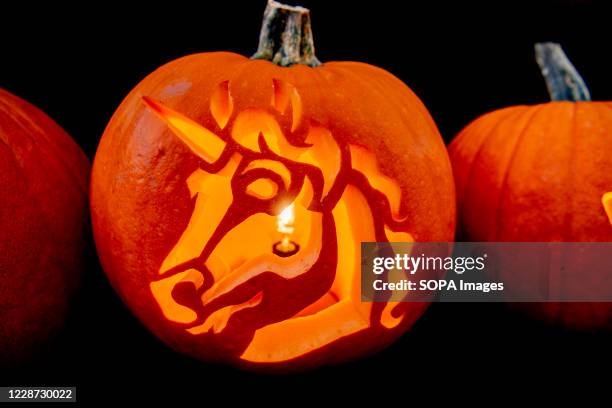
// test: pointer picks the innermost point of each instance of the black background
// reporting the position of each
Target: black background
(77, 62)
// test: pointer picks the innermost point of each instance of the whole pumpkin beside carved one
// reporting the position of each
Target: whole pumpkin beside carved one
(230, 196)
(43, 226)
(541, 173)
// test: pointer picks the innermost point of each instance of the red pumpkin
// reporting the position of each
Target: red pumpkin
(43, 213)
(230, 196)
(541, 173)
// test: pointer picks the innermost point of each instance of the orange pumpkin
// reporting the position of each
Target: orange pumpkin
(541, 173)
(230, 196)
(43, 219)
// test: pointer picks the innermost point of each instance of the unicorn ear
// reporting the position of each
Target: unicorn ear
(204, 143)
(283, 95)
(221, 104)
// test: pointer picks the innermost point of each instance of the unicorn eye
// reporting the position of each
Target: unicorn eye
(262, 188)
(265, 178)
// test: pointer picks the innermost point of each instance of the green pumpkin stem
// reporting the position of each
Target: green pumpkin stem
(564, 83)
(286, 36)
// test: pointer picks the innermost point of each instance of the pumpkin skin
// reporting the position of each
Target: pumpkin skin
(539, 174)
(43, 226)
(141, 204)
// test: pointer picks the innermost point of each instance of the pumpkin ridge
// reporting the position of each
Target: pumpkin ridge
(316, 79)
(69, 179)
(571, 177)
(373, 82)
(347, 72)
(458, 143)
(600, 114)
(504, 185)
(469, 174)
(386, 79)
(489, 132)
(8, 147)
(367, 84)
(35, 124)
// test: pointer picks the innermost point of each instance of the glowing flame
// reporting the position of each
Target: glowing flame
(284, 225)
(285, 220)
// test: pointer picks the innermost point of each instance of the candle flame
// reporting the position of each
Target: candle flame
(285, 220)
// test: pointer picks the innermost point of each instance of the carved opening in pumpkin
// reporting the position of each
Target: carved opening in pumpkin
(606, 201)
(324, 198)
(221, 104)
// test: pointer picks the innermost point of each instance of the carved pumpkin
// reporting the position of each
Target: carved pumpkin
(541, 173)
(43, 218)
(230, 197)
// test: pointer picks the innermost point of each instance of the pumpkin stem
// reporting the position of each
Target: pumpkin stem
(564, 83)
(286, 36)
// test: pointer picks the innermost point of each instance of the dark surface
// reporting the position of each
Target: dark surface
(78, 62)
